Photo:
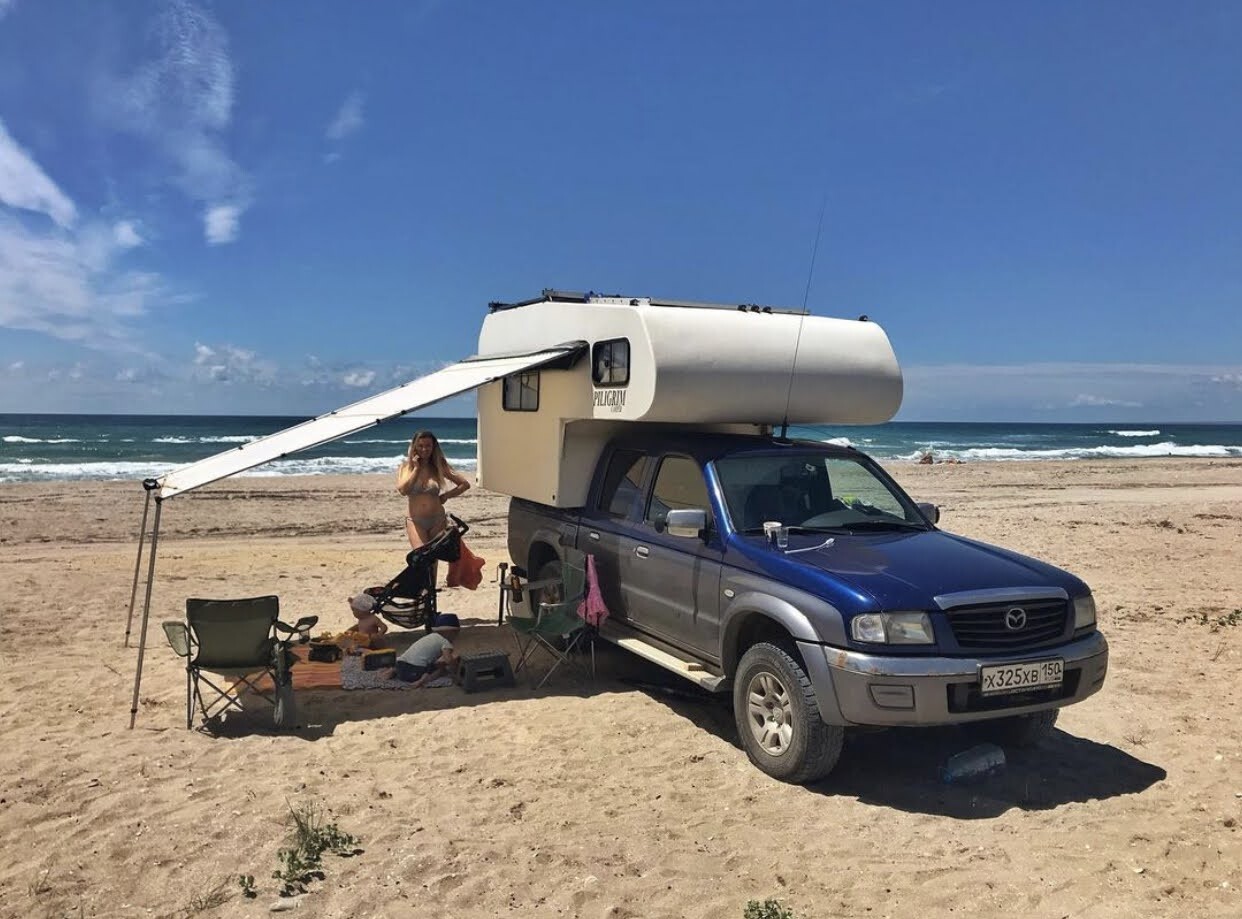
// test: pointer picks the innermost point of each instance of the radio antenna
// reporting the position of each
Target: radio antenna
(806, 294)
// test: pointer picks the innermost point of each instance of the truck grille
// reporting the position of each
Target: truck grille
(986, 626)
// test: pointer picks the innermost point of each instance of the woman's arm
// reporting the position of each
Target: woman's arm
(460, 481)
(407, 472)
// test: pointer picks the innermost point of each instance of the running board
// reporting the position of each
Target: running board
(631, 640)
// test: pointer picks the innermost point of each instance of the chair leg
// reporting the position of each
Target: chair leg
(560, 657)
(189, 698)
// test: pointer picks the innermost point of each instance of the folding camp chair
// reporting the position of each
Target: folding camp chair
(544, 614)
(239, 640)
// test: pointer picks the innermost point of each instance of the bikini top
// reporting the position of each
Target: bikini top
(432, 487)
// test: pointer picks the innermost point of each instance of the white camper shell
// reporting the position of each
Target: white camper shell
(658, 361)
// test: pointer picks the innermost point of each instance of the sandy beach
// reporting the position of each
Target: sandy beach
(605, 799)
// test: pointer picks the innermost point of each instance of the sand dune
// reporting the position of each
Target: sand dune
(612, 798)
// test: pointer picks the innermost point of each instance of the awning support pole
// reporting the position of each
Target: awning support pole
(133, 594)
(146, 611)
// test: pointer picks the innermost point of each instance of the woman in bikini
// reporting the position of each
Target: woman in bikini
(421, 477)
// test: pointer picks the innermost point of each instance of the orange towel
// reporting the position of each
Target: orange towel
(467, 571)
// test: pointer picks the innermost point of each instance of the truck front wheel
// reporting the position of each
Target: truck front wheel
(778, 720)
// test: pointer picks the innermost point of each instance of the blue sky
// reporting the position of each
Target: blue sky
(282, 207)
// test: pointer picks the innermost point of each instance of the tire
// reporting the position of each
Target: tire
(778, 719)
(553, 593)
(1018, 731)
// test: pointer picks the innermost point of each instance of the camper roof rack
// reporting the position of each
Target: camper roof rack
(572, 296)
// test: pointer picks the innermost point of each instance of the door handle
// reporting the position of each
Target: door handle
(593, 535)
(641, 551)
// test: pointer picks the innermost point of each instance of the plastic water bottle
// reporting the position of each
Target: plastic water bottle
(971, 765)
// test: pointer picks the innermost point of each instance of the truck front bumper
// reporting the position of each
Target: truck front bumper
(871, 689)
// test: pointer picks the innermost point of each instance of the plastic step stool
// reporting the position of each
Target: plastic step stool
(485, 670)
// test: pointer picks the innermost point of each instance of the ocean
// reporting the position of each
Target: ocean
(41, 448)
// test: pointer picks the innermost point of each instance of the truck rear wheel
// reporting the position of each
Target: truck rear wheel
(778, 720)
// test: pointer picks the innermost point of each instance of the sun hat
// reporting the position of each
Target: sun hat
(447, 621)
(362, 603)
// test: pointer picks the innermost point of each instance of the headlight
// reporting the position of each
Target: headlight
(1084, 611)
(893, 628)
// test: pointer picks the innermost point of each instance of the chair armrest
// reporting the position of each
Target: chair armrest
(178, 635)
(301, 627)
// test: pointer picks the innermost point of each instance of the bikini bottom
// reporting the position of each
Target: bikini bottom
(427, 521)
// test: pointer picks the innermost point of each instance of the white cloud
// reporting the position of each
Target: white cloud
(181, 100)
(1085, 399)
(69, 285)
(349, 118)
(24, 185)
(359, 378)
(221, 223)
(126, 234)
(232, 365)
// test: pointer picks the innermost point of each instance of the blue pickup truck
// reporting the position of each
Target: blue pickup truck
(800, 577)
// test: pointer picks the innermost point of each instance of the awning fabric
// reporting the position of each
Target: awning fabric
(450, 381)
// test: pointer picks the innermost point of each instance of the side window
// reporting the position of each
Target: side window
(610, 362)
(679, 484)
(522, 392)
(623, 481)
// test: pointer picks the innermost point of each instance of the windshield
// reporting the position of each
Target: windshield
(814, 492)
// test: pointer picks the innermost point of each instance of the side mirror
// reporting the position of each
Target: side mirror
(930, 511)
(689, 523)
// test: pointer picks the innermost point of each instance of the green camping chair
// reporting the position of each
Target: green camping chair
(240, 641)
(553, 624)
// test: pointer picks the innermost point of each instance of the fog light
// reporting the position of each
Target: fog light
(893, 696)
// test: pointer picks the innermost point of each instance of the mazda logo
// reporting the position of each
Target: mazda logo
(1015, 619)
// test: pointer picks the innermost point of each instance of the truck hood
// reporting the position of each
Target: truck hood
(903, 570)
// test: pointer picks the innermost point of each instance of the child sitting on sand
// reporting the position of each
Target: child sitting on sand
(369, 625)
(431, 656)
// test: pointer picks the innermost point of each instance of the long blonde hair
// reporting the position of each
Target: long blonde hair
(439, 466)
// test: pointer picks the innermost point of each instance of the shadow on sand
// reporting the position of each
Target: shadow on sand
(900, 767)
(897, 768)
(321, 711)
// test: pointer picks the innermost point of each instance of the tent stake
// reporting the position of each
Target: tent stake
(133, 594)
(146, 611)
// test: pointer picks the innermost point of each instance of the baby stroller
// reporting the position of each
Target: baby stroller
(409, 599)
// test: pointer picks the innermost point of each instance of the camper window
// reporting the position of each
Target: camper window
(521, 393)
(610, 362)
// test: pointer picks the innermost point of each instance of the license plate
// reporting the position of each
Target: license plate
(1002, 678)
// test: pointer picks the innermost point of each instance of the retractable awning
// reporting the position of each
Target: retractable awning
(450, 381)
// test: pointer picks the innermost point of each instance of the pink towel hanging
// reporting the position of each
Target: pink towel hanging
(592, 608)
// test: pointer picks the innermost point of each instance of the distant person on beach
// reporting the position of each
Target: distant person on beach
(431, 656)
(369, 624)
(422, 477)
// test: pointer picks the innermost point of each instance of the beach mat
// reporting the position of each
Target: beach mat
(308, 674)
